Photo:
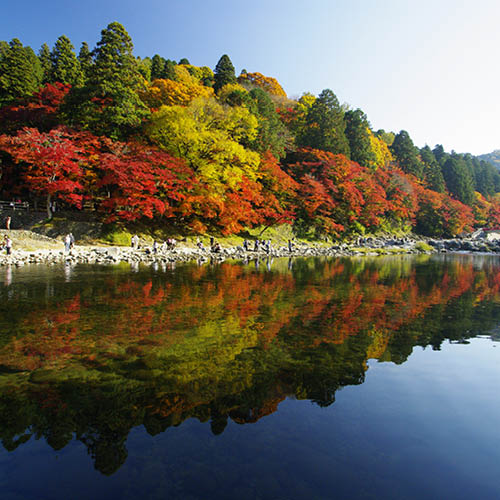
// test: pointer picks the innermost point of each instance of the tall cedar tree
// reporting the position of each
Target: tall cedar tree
(45, 63)
(356, 131)
(325, 125)
(432, 170)
(108, 103)
(224, 73)
(406, 154)
(65, 66)
(20, 72)
(458, 179)
(86, 61)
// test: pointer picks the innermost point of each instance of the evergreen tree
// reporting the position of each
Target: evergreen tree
(432, 170)
(108, 103)
(406, 154)
(440, 154)
(271, 133)
(86, 61)
(157, 67)
(20, 72)
(45, 63)
(65, 66)
(184, 60)
(458, 179)
(224, 73)
(169, 70)
(486, 177)
(325, 125)
(356, 132)
(144, 67)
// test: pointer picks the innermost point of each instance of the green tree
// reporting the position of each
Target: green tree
(144, 67)
(432, 170)
(272, 135)
(157, 67)
(440, 154)
(108, 104)
(325, 125)
(20, 72)
(224, 73)
(65, 66)
(86, 61)
(45, 63)
(458, 179)
(357, 133)
(406, 154)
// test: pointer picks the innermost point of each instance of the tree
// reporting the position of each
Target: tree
(20, 72)
(406, 154)
(65, 66)
(357, 133)
(224, 73)
(108, 103)
(272, 135)
(86, 60)
(325, 125)
(52, 160)
(45, 63)
(432, 170)
(458, 179)
(267, 83)
(142, 182)
(157, 67)
(170, 92)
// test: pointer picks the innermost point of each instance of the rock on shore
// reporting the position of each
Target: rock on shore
(113, 255)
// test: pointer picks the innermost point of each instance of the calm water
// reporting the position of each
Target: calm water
(322, 379)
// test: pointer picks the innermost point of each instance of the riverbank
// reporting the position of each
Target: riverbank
(31, 248)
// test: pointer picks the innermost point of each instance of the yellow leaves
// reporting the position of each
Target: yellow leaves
(380, 150)
(172, 93)
(229, 89)
(208, 136)
(267, 83)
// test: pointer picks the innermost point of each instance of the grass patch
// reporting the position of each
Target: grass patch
(422, 246)
(117, 237)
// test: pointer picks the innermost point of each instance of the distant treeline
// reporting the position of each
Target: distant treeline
(206, 150)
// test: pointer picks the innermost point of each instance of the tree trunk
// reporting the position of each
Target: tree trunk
(49, 208)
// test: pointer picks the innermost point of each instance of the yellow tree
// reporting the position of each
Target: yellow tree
(208, 136)
(267, 83)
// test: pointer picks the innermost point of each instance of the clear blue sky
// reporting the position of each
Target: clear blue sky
(429, 67)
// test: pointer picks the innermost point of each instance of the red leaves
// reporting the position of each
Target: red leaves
(52, 161)
(142, 182)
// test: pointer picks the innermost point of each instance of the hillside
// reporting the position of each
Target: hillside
(493, 158)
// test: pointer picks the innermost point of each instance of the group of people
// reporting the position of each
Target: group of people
(258, 245)
(168, 244)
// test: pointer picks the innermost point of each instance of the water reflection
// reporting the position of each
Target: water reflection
(93, 352)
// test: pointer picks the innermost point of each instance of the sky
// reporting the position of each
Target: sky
(428, 67)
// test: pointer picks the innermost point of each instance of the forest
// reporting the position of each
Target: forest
(198, 150)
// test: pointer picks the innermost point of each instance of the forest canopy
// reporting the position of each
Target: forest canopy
(205, 150)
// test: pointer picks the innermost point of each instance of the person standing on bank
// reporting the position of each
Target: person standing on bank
(67, 243)
(7, 223)
(8, 245)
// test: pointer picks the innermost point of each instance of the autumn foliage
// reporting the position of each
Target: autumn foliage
(203, 150)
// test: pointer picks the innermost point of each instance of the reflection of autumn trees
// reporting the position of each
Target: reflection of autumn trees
(111, 350)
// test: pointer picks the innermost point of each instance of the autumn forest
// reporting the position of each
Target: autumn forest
(202, 150)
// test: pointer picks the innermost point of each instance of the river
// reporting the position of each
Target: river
(367, 378)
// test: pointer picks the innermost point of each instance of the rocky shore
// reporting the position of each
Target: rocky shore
(52, 251)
